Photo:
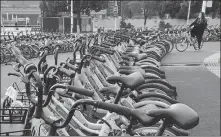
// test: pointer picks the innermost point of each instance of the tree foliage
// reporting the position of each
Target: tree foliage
(176, 9)
(52, 8)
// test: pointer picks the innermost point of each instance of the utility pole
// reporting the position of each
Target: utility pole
(204, 6)
(188, 16)
(72, 21)
(1, 19)
(116, 15)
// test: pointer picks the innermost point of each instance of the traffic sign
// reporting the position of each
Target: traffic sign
(209, 3)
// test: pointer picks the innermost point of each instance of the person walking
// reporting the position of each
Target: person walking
(199, 26)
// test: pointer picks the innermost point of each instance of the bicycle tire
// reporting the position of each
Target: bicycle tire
(163, 82)
(154, 68)
(156, 73)
(184, 43)
(171, 44)
(166, 91)
(168, 131)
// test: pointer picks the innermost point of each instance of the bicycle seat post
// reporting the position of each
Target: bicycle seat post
(162, 127)
(119, 94)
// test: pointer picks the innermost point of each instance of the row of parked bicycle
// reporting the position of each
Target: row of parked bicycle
(112, 86)
(30, 43)
(212, 33)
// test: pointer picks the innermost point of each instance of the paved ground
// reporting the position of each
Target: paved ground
(200, 89)
(196, 86)
(191, 56)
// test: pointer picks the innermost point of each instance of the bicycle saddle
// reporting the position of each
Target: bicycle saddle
(180, 114)
(112, 89)
(140, 115)
(129, 81)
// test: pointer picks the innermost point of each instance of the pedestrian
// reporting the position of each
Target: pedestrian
(199, 25)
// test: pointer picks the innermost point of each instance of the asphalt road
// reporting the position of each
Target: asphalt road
(196, 86)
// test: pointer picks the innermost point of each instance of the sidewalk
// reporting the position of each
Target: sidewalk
(212, 63)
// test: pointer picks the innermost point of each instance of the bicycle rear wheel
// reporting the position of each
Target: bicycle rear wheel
(181, 47)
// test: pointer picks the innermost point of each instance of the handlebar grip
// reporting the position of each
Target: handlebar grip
(14, 74)
(82, 91)
(99, 59)
(66, 71)
(114, 108)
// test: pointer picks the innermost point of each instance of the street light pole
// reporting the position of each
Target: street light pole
(188, 16)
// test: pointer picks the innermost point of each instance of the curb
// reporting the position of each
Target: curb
(192, 64)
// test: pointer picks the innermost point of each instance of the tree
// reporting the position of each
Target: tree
(43, 6)
(182, 14)
(151, 8)
(135, 7)
(52, 8)
(170, 7)
(214, 11)
(84, 7)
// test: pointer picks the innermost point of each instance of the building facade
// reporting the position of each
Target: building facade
(21, 13)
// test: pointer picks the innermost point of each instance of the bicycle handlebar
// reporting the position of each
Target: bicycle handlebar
(30, 69)
(14, 74)
(68, 88)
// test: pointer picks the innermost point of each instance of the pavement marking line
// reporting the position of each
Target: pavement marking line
(212, 63)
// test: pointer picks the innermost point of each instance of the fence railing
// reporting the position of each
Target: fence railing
(16, 29)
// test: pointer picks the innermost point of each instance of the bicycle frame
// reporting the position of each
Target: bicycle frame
(38, 130)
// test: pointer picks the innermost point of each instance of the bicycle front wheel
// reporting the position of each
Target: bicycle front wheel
(182, 46)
